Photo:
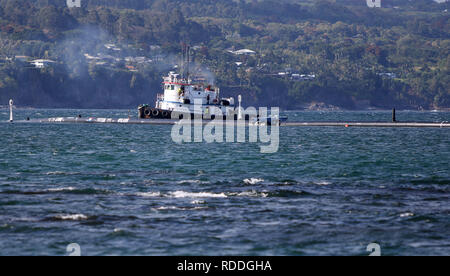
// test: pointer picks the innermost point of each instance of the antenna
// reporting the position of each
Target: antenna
(11, 103)
(188, 48)
(183, 51)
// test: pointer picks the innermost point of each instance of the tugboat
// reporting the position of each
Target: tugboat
(181, 95)
(186, 95)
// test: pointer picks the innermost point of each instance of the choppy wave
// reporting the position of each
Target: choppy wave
(61, 173)
(198, 202)
(149, 194)
(201, 195)
(405, 215)
(322, 183)
(251, 194)
(68, 190)
(253, 181)
(190, 181)
(289, 193)
(74, 217)
(61, 189)
(160, 200)
(182, 194)
(169, 208)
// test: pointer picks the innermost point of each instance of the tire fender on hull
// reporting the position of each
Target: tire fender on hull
(155, 113)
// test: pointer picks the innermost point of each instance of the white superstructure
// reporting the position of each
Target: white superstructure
(181, 94)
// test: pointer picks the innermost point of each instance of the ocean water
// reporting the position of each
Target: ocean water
(129, 190)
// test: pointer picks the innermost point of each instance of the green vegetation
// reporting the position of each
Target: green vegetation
(397, 56)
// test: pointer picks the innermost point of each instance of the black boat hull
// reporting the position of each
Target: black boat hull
(147, 112)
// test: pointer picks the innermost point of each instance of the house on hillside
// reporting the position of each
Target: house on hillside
(91, 58)
(22, 58)
(41, 63)
(388, 75)
(112, 47)
(303, 77)
(131, 68)
(246, 52)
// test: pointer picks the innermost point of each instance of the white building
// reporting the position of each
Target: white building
(303, 77)
(388, 75)
(112, 47)
(22, 58)
(247, 52)
(41, 63)
(89, 57)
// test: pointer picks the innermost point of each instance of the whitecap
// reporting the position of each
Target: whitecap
(405, 215)
(60, 173)
(253, 181)
(189, 181)
(61, 189)
(88, 152)
(149, 194)
(163, 208)
(322, 183)
(198, 202)
(251, 194)
(269, 223)
(72, 217)
(182, 194)
(167, 208)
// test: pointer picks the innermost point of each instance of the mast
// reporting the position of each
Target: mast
(188, 48)
(183, 52)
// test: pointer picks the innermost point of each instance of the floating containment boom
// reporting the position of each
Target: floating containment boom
(347, 124)
(238, 120)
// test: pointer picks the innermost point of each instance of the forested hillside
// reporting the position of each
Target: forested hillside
(302, 53)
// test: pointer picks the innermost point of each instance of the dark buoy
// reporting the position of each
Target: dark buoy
(394, 119)
(79, 116)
